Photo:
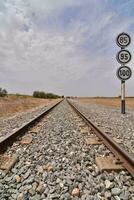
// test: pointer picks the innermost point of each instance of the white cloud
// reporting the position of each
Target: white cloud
(50, 5)
(51, 58)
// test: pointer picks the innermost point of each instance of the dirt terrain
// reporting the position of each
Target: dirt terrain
(113, 102)
(13, 104)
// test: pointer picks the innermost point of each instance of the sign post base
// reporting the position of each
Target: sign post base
(122, 106)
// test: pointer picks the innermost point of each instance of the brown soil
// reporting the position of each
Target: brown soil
(13, 104)
(113, 102)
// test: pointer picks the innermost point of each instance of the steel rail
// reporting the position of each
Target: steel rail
(10, 138)
(126, 159)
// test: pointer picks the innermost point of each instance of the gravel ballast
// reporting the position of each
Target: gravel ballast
(116, 125)
(9, 124)
(59, 165)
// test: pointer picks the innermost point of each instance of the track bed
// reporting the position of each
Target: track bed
(59, 164)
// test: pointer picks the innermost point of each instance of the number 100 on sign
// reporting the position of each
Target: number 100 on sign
(124, 73)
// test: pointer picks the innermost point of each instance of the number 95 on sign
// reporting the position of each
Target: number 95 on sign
(124, 73)
(123, 56)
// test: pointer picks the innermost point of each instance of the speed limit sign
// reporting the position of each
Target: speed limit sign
(123, 40)
(124, 73)
(123, 56)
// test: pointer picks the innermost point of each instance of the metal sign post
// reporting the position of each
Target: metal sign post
(123, 57)
(123, 73)
(123, 97)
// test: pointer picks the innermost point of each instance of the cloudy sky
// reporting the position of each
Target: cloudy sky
(63, 46)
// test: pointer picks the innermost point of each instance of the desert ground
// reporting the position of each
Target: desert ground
(112, 102)
(14, 104)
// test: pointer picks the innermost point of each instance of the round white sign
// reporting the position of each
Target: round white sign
(123, 40)
(124, 73)
(123, 56)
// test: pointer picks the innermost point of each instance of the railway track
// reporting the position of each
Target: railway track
(123, 157)
(60, 156)
(10, 138)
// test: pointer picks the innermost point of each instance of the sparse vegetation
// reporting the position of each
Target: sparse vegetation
(22, 103)
(21, 95)
(107, 101)
(41, 94)
(52, 96)
(3, 92)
